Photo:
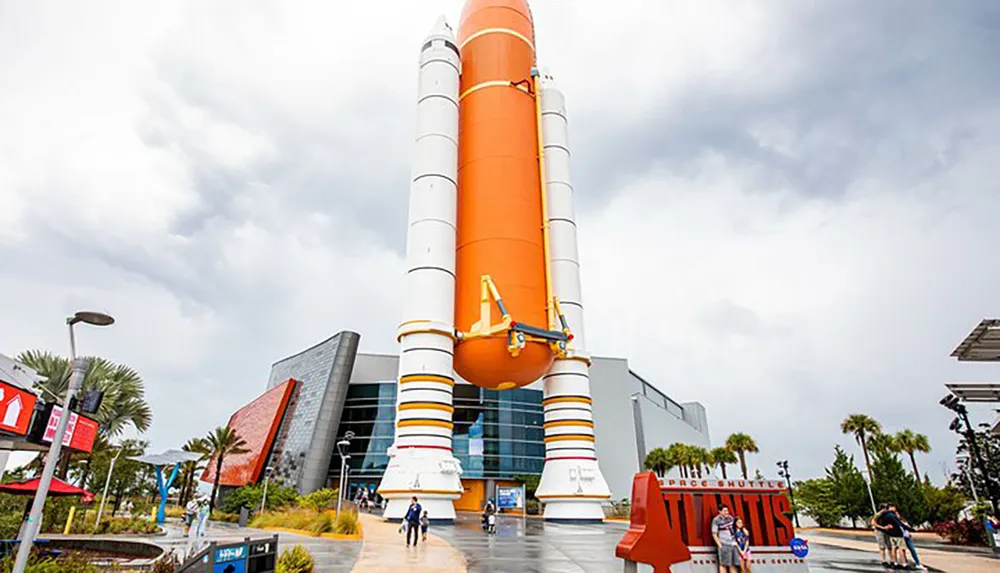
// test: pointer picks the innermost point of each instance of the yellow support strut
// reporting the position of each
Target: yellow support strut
(549, 309)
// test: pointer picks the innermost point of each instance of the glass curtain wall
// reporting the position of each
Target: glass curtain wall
(497, 434)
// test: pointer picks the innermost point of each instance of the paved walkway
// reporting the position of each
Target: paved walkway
(334, 556)
(933, 559)
(384, 550)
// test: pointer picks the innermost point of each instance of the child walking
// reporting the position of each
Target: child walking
(425, 523)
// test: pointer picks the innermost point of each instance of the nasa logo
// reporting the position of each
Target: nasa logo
(800, 547)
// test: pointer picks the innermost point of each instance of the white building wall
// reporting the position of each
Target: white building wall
(663, 422)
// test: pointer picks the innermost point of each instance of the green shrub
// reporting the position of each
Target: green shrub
(533, 507)
(10, 524)
(306, 520)
(347, 523)
(278, 496)
(320, 500)
(621, 509)
(70, 563)
(225, 517)
(113, 525)
(295, 560)
(167, 564)
(174, 511)
(322, 523)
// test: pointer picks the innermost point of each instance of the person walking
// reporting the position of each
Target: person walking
(413, 521)
(725, 541)
(190, 510)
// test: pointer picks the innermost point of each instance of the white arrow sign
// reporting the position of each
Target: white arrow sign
(13, 411)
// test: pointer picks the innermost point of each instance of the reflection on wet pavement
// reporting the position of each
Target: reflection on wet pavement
(531, 545)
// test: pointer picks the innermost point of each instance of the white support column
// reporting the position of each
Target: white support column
(421, 463)
(572, 486)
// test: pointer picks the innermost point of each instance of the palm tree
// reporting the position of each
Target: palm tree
(196, 445)
(910, 442)
(678, 455)
(721, 457)
(741, 444)
(659, 461)
(222, 442)
(863, 427)
(880, 444)
(700, 459)
(124, 402)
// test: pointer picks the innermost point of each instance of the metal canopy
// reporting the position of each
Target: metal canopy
(982, 344)
(976, 391)
(168, 458)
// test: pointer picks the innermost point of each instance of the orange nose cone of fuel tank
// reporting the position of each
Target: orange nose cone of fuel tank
(499, 193)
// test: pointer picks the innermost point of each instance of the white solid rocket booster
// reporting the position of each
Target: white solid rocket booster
(420, 461)
(572, 485)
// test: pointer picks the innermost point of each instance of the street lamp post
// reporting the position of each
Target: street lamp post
(267, 476)
(80, 366)
(953, 403)
(343, 447)
(107, 482)
(968, 476)
(783, 472)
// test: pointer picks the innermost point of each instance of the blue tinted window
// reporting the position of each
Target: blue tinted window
(496, 434)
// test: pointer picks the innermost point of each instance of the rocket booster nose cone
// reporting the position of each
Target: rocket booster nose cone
(441, 29)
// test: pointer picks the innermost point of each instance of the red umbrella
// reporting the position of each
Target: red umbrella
(56, 488)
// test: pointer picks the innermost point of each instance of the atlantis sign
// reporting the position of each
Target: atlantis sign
(671, 523)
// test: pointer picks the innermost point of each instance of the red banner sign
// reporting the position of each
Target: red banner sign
(16, 406)
(80, 434)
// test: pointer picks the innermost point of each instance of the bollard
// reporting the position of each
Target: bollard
(69, 520)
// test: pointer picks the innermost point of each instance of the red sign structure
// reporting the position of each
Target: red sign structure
(81, 431)
(256, 424)
(671, 523)
(16, 406)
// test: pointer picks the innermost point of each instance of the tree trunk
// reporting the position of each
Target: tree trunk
(215, 486)
(86, 474)
(186, 486)
(743, 463)
(723, 466)
(118, 499)
(64, 458)
(916, 474)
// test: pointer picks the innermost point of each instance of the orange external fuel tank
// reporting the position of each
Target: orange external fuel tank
(499, 193)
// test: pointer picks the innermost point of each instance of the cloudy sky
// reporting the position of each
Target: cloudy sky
(787, 209)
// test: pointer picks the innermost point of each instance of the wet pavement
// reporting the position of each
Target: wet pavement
(531, 545)
(334, 556)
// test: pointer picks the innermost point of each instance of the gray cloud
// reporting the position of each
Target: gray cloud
(801, 196)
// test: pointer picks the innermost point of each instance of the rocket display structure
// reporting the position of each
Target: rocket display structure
(492, 289)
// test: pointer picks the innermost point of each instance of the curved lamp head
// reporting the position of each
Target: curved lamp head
(94, 318)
